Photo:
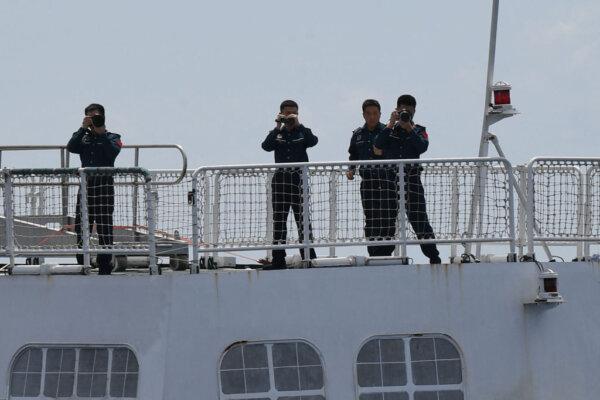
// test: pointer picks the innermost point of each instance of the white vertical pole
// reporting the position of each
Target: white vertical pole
(216, 211)
(588, 213)
(522, 214)
(454, 210)
(85, 220)
(332, 211)
(511, 211)
(305, 213)
(484, 144)
(582, 209)
(402, 210)
(134, 197)
(269, 221)
(206, 236)
(151, 207)
(9, 217)
(530, 210)
(195, 225)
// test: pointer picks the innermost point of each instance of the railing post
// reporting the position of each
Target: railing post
(481, 206)
(135, 195)
(150, 206)
(530, 210)
(9, 217)
(269, 221)
(402, 210)
(305, 213)
(206, 234)
(588, 213)
(332, 211)
(195, 225)
(85, 219)
(475, 198)
(582, 209)
(216, 213)
(511, 212)
(454, 209)
(64, 163)
(522, 214)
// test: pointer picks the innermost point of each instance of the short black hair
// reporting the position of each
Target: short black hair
(287, 103)
(406, 100)
(371, 103)
(94, 107)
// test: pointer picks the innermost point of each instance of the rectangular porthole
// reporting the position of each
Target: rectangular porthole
(287, 370)
(400, 365)
(65, 372)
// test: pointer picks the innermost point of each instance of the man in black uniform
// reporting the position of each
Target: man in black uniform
(377, 201)
(403, 139)
(289, 140)
(97, 148)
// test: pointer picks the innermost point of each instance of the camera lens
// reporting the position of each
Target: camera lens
(405, 116)
(98, 120)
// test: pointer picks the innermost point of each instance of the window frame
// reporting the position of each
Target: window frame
(77, 347)
(410, 386)
(273, 393)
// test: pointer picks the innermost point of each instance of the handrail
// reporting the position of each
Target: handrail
(355, 163)
(207, 208)
(83, 247)
(117, 170)
(64, 156)
(533, 230)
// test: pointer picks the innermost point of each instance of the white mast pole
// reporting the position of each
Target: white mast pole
(484, 143)
(479, 192)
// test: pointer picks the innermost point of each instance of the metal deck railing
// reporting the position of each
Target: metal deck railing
(213, 210)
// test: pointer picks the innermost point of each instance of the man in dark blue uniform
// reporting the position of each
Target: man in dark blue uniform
(289, 140)
(97, 148)
(403, 139)
(378, 204)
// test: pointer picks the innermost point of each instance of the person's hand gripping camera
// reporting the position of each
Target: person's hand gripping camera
(402, 118)
(94, 123)
(289, 121)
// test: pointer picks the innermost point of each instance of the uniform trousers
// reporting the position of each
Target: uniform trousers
(287, 193)
(100, 204)
(379, 194)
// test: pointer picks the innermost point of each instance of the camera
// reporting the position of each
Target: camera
(285, 119)
(405, 116)
(98, 120)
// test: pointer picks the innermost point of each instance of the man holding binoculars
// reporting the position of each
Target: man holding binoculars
(289, 140)
(97, 148)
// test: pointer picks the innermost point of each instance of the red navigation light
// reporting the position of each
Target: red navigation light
(501, 97)
(501, 93)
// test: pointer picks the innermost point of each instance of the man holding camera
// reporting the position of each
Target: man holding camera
(403, 139)
(377, 200)
(289, 140)
(97, 148)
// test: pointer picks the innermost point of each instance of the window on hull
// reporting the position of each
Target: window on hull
(418, 367)
(290, 370)
(74, 372)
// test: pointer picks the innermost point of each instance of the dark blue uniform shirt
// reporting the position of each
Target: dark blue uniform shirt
(361, 143)
(290, 146)
(399, 144)
(95, 150)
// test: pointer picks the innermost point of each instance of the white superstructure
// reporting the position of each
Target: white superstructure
(179, 326)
